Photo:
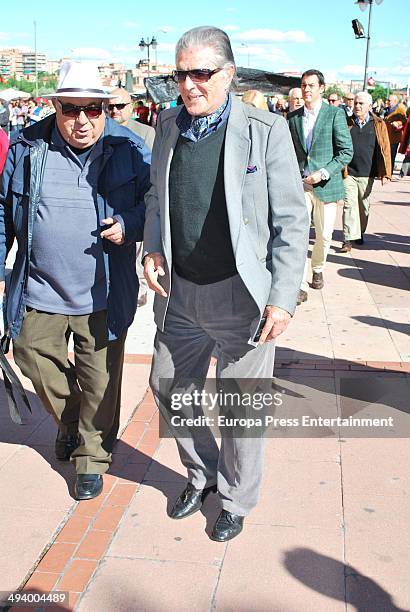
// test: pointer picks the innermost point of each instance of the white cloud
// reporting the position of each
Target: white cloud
(124, 48)
(4, 35)
(394, 44)
(130, 24)
(165, 29)
(399, 72)
(166, 47)
(91, 53)
(230, 28)
(19, 47)
(231, 9)
(267, 35)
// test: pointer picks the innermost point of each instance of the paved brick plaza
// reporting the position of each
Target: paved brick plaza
(331, 531)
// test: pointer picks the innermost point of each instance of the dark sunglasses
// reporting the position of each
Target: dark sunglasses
(72, 110)
(117, 106)
(198, 75)
(332, 100)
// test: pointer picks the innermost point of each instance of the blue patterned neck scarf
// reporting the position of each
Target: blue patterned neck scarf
(196, 128)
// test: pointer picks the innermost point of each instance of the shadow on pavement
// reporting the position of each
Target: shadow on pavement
(39, 431)
(403, 328)
(322, 574)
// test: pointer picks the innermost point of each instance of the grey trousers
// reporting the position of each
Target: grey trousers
(202, 319)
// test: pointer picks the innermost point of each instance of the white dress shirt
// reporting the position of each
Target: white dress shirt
(309, 122)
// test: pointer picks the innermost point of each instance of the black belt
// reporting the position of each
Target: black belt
(12, 383)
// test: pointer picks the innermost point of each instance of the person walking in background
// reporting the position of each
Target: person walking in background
(371, 159)
(333, 98)
(323, 147)
(72, 195)
(295, 99)
(225, 242)
(4, 116)
(395, 118)
(347, 106)
(142, 112)
(119, 108)
(405, 148)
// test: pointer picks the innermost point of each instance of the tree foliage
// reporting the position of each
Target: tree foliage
(333, 89)
(46, 82)
(379, 91)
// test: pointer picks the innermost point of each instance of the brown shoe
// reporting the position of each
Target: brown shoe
(317, 280)
(346, 247)
(143, 299)
(302, 297)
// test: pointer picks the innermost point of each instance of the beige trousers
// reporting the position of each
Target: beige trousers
(356, 206)
(324, 217)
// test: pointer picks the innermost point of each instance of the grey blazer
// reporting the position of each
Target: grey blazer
(267, 213)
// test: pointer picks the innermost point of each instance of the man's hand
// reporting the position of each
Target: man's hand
(384, 180)
(113, 233)
(312, 179)
(2, 288)
(277, 321)
(154, 264)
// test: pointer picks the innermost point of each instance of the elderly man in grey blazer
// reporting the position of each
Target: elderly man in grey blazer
(225, 242)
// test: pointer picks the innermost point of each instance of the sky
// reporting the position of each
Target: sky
(271, 35)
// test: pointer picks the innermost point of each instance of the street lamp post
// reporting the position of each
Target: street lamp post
(147, 44)
(247, 47)
(363, 5)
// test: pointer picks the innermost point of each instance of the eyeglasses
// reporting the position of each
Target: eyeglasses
(117, 106)
(198, 75)
(72, 110)
(332, 100)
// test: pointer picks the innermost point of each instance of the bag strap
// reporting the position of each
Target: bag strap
(12, 383)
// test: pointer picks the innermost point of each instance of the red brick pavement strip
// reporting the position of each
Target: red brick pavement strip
(72, 559)
(282, 363)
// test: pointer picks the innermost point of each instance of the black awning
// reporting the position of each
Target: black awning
(164, 89)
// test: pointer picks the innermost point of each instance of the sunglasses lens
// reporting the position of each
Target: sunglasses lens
(93, 112)
(69, 110)
(73, 111)
(198, 75)
(117, 106)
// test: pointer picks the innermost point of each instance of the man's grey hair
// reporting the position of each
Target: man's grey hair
(365, 96)
(293, 90)
(208, 36)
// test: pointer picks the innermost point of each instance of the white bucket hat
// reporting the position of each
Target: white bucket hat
(79, 80)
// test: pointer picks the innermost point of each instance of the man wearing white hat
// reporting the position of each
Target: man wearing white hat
(72, 195)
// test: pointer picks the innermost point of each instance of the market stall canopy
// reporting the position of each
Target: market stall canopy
(164, 89)
(12, 94)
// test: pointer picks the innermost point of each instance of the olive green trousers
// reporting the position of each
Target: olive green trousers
(83, 396)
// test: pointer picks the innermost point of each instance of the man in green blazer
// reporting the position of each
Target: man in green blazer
(323, 148)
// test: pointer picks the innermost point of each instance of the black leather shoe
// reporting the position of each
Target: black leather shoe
(88, 486)
(189, 501)
(317, 280)
(227, 526)
(65, 445)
